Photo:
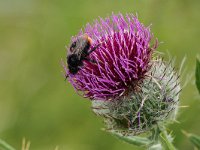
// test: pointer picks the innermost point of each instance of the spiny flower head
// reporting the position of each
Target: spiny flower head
(130, 88)
(156, 101)
(121, 61)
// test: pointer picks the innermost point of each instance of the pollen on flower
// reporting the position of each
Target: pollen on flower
(121, 61)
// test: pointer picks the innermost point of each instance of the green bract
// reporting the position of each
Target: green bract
(153, 101)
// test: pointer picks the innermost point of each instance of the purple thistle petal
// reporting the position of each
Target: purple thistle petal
(122, 58)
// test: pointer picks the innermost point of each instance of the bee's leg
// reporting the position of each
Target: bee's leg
(66, 76)
(93, 49)
(90, 60)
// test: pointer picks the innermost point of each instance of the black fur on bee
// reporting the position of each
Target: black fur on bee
(78, 52)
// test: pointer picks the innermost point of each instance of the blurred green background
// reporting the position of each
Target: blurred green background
(36, 102)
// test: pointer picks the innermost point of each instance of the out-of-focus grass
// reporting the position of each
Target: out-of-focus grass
(36, 102)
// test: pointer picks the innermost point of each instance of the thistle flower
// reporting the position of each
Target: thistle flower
(122, 59)
(130, 88)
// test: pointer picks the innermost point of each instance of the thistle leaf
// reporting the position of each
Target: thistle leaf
(194, 139)
(197, 74)
(5, 146)
(134, 140)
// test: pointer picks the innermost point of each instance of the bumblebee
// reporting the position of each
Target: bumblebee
(78, 52)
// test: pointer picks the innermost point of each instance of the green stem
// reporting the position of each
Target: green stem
(5, 146)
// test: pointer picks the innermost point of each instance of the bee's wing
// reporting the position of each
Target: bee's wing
(81, 44)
